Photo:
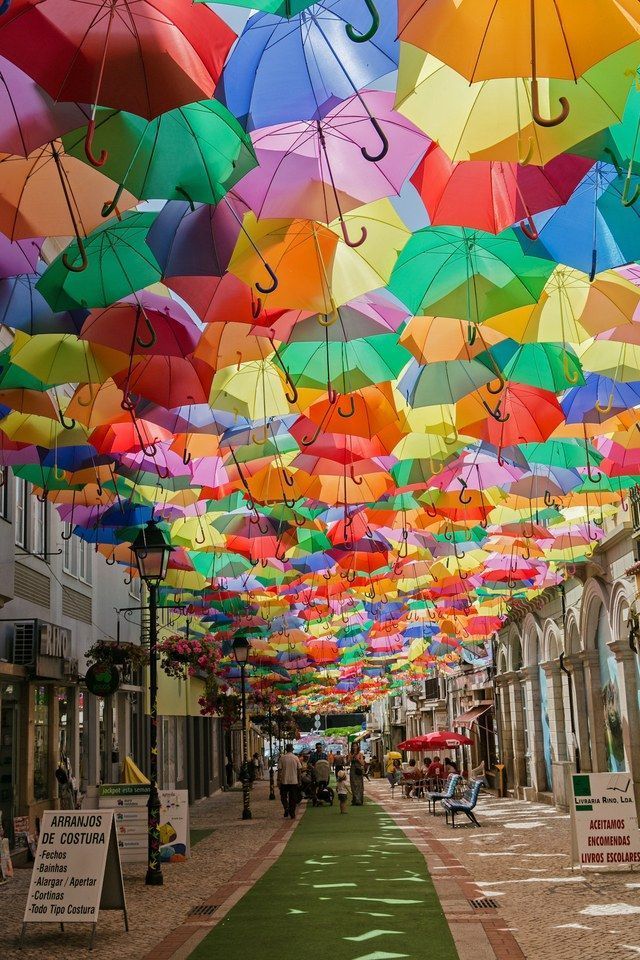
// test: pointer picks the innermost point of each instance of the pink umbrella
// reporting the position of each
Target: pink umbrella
(317, 168)
(28, 115)
(144, 323)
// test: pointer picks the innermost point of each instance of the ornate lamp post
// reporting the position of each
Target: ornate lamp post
(241, 650)
(152, 552)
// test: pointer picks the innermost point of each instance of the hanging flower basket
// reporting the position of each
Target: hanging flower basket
(182, 656)
(128, 656)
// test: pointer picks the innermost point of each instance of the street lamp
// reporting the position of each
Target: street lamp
(241, 649)
(152, 551)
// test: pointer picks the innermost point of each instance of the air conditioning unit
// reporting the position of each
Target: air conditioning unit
(25, 643)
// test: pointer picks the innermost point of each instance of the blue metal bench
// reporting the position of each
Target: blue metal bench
(463, 804)
(448, 793)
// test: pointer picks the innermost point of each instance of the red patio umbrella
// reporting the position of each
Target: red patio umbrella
(439, 739)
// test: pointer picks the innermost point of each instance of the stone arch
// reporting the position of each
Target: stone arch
(595, 595)
(514, 648)
(621, 600)
(552, 641)
(572, 633)
(531, 640)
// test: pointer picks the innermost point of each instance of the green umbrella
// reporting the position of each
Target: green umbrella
(348, 366)
(446, 381)
(467, 274)
(567, 454)
(119, 262)
(282, 8)
(197, 152)
(550, 366)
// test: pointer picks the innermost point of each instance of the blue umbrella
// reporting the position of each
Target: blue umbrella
(298, 69)
(599, 398)
(22, 307)
(595, 230)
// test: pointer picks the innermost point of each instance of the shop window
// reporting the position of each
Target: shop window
(41, 765)
(39, 530)
(4, 495)
(77, 559)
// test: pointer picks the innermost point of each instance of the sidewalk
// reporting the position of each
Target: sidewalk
(154, 912)
(520, 860)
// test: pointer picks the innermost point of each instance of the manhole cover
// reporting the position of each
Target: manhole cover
(203, 910)
(484, 903)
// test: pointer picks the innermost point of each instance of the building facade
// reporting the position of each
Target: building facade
(57, 597)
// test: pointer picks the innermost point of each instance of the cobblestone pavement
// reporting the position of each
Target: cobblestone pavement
(153, 912)
(521, 858)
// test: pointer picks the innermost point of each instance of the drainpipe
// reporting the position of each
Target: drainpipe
(565, 670)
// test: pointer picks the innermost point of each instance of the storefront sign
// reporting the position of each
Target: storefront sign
(77, 869)
(102, 679)
(604, 822)
(174, 825)
(54, 641)
(129, 804)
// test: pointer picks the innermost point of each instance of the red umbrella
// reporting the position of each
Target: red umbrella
(144, 56)
(147, 323)
(490, 195)
(438, 740)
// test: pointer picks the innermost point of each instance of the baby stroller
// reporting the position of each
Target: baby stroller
(324, 793)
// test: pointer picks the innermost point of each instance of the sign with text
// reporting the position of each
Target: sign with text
(129, 804)
(77, 869)
(605, 822)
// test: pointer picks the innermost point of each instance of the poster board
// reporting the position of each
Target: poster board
(77, 870)
(174, 825)
(604, 822)
(128, 801)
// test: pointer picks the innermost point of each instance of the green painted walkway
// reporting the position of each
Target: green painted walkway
(347, 887)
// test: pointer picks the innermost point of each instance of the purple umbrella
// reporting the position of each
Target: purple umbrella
(198, 241)
(23, 307)
(29, 117)
(18, 256)
(317, 169)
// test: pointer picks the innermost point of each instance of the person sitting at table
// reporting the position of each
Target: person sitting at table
(435, 773)
(411, 774)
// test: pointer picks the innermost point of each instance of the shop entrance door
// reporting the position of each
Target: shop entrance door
(8, 761)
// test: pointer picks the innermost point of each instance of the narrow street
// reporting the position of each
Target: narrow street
(388, 880)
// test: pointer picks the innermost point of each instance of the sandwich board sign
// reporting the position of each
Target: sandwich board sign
(77, 870)
(605, 834)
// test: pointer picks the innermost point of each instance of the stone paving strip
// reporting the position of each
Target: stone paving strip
(520, 858)
(228, 856)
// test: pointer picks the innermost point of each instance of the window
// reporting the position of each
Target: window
(77, 559)
(4, 497)
(20, 511)
(70, 555)
(85, 560)
(39, 531)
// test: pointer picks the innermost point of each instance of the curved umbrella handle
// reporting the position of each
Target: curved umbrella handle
(112, 207)
(535, 108)
(454, 439)
(496, 414)
(186, 457)
(613, 159)
(472, 333)
(67, 424)
(529, 228)
(85, 403)
(383, 139)
(84, 260)
(353, 243)
(608, 407)
(332, 393)
(358, 480)
(183, 193)
(309, 441)
(110, 560)
(350, 410)
(293, 396)
(5, 6)
(496, 390)
(462, 496)
(330, 319)
(146, 344)
(524, 159)
(375, 23)
(256, 307)
(625, 199)
(88, 146)
(274, 281)
(287, 478)
(571, 376)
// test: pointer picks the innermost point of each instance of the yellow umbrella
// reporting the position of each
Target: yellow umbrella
(254, 390)
(493, 120)
(63, 358)
(620, 361)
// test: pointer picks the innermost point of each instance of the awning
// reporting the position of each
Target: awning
(469, 718)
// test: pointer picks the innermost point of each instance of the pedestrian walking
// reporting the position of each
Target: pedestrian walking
(289, 781)
(338, 762)
(394, 775)
(342, 790)
(356, 778)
